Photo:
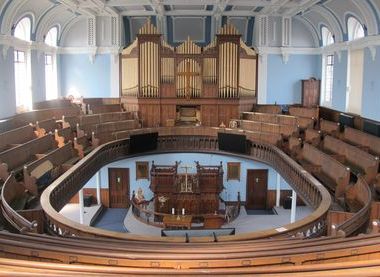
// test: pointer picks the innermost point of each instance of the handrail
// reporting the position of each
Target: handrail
(359, 219)
(67, 185)
(13, 217)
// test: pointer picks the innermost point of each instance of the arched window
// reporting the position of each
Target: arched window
(327, 37)
(52, 37)
(355, 29)
(23, 29)
(22, 67)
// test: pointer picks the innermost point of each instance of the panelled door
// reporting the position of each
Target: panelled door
(118, 179)
(257, 189)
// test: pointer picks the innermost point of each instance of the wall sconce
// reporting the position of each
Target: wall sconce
(118, 180)
(257, 180)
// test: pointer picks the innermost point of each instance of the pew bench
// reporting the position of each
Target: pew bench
(47, 126)
(329, 127)
(313, 136)
(367, 142)
(15, 158)
(40, 173)
(83, 146)
(16, 137)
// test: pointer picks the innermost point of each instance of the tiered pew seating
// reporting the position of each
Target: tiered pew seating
(15, 158)
(83, 146)
(16, 137)
(313, 136)
(304, 112)
(272, 109)
(329, 127)
(51, 104)
(98, 109)
(329, 171)
(64, 135)
(362, 140)
(104, 131)
(286, 130)
(360, 162)
(47, 126)
(42, 172)
(302, 122)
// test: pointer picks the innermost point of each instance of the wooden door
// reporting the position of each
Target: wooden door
(311, 92)
(118, 180)
(257, 189)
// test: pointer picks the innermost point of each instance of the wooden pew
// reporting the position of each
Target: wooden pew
(64, 135)
(330, 172)
(304, 112)
(113, 117)
(104, 131)
(359, 161)
(273, 109)
(47, 126)
(83, 146)
(16, 137)
(55, 103)
(98, 109)
(329, 127)
(15, 158)
(365, 141)
(313, 136)
(286, 130)
(49, 167)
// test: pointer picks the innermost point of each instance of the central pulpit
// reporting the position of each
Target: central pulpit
(193, 193)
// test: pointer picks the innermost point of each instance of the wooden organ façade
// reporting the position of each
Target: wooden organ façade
(197, 193)
(188, 84)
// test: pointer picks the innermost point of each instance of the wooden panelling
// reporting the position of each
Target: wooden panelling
(336, 218)
(104, 194)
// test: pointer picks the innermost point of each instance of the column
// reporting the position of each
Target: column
(98, 187)
(278, 190)
(81, 207)
(294, 207)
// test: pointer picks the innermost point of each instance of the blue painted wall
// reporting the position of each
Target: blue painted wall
(232, 186)
(7, 84)
(284, 80)
(340, 82)
(371, 85)
(76, 73)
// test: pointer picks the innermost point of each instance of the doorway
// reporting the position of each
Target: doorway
(118, 179)
(257, 189)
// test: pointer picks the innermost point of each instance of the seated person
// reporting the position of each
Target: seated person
(140, 199)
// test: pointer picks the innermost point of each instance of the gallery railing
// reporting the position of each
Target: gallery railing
(359, 219)
(55, 197)
(8, 194)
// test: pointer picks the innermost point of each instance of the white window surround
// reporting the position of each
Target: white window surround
(355, 29)
(327, 37)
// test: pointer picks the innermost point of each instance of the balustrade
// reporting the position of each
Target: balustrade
(66, 186)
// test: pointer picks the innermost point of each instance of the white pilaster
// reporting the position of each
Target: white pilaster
(294, 207)
(98, 187)
(278, 190)
(81, 207)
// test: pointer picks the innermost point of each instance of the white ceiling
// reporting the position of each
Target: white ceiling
(191, 7)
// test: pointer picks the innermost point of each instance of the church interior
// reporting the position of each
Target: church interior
(178, 137)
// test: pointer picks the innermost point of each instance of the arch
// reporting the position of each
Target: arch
(326, 35)
(51, 38)
(23, 29)
(9, 14)
(368, 15)
(310, 26)
(49, 20)
(332, 21)
(355, 29)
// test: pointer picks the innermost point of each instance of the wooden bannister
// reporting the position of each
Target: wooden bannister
(67, 185)
(13, 217)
